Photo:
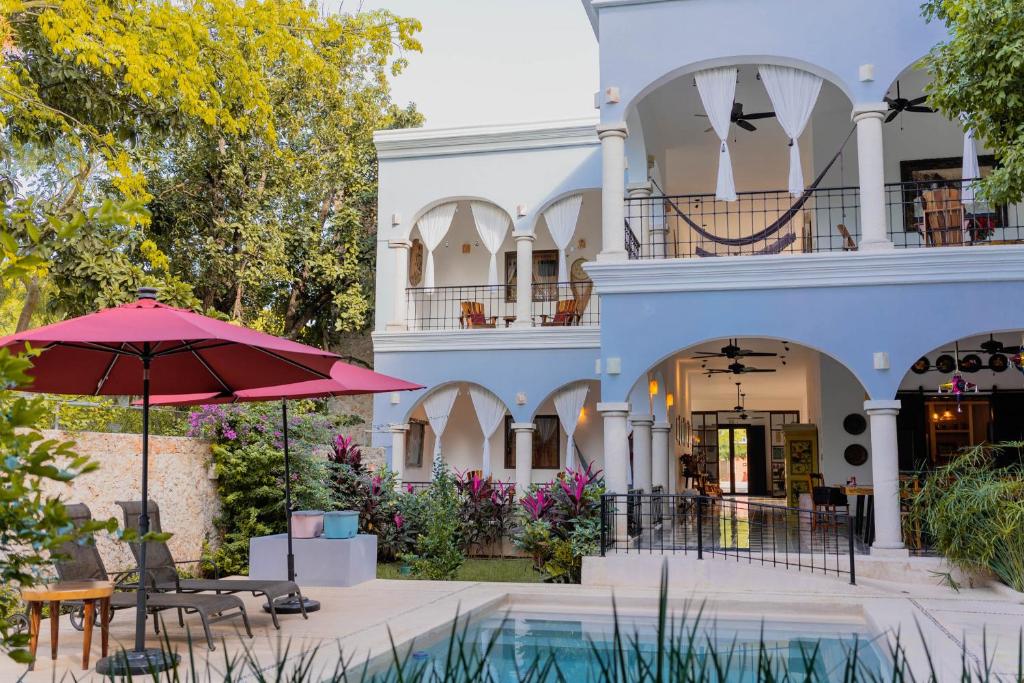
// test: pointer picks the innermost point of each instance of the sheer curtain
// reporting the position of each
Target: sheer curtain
(438, 407)
(568, 404)
(793, 93)
(561, 218)
(434, 225)
(490, 412)
(491, 224)
(970, 170)
(717, 88)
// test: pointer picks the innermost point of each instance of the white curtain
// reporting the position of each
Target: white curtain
(793, 93)
(568, 404)
(561, 218)
(491, 224)
(490, 412)
(970, 170)
(434, 225)
(438, 407)
(717, 88)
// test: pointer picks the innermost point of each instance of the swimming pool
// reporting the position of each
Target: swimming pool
(583, 645)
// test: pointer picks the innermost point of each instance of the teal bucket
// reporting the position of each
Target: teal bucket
(342, 524)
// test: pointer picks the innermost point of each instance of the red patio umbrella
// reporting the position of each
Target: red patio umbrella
(345, 380)
(146, 347)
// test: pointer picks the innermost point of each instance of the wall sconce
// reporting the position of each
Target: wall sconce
(653, 387)
(396, 398)
(581, 244)
(521, 399)
(670, 401)
(583, 414)
(521, 210)
(466, 248)
(396, 218)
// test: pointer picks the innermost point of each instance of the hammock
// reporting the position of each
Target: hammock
(780, 223)
(777, 247)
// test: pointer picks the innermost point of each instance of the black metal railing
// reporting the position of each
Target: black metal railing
(414, 486)
(764, 222)
(632, 243)
(934, 213)
(756, 533)
(469, 307)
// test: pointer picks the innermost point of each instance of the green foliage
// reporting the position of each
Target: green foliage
(978, 75)
(105, 414)
(33, 521)
(973, 508)
(438, 553)
(500, 570)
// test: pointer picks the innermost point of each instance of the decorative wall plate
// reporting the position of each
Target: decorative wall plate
(855, 423)
(998, 362)
(416, 263)
(945, 363)
(855, 454)
(922, 366)
(971, 363)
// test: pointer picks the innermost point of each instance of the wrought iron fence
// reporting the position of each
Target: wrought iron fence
(756, 533)
(764, 222)
(632, 243)
(940, 213)
(555, 304)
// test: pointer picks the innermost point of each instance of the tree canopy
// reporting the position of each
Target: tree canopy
(978, 77)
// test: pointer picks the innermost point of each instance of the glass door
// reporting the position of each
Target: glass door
(732, 459)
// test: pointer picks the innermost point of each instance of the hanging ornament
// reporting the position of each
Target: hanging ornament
(957, 385)
(1017, 360)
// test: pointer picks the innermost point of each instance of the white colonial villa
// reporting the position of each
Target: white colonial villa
(763, 225)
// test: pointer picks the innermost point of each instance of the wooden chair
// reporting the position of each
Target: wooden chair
(473, 316)
(825, 500)
(848, 243)
(943, 216)
(566, 315)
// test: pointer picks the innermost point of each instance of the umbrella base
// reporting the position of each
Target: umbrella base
(137, 662)
(290, 605)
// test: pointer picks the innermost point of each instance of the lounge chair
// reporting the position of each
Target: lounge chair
(162, 567)
(79, 561)
(473, 316)
(566, 315)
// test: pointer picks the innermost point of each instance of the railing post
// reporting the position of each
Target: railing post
(700, 527)
(604, 522)
(850, 534)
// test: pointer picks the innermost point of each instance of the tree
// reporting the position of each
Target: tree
(978, 76)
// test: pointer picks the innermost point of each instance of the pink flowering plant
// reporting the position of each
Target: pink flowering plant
(487, 508)
(559, 523)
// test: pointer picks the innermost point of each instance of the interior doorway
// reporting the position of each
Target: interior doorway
(741, 465)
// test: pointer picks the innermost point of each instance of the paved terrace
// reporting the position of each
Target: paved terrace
(357, 620)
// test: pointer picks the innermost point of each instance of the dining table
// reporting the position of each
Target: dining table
(864, 511)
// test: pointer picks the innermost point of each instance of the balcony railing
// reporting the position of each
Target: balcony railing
(469, 307)
(767, 222)
(935, 214)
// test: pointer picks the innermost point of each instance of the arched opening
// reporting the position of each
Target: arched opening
(683, 155)
(552, 432)
(728, 403)
(461, 439)
(958, 395)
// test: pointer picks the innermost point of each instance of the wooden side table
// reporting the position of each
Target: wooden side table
(89, 592)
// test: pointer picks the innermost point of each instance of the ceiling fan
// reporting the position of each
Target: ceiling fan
(739, 408)
(900, 104)
(732, 351)
(736, 368)
(740, 119)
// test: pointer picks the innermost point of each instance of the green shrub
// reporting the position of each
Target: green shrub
(973, 509)
(438, 554)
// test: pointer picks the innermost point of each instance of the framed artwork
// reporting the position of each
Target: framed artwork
(414, 443)
(920, 175)
(778, 454)
(545, 275)
(416, 263)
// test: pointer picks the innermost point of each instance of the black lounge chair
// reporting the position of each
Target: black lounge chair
(80, 561)
(160, 565)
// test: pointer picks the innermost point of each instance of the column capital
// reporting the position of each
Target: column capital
(641, 419)
(661, 427)
(398, 428)
(523, 427)
(613, 408)
(523, 237)
(400, 244)
(640, 189)
(869, 110)
(617, 129)
(882, 407)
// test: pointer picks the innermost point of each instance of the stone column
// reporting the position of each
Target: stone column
(661, 455)
(400, 248)
(613, 190)
(642, 465)
(524, 280)
(398, 433)
(871, 170)
(523, 432)
(616, 462)
(885, 473)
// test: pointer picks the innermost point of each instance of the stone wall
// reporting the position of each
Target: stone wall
(356, 348)
(179, 482)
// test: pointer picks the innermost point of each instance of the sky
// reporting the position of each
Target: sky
(497, 61)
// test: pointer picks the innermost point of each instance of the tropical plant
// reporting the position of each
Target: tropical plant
(559, 523)
(973, 510)
(438, 551)
(487, 510)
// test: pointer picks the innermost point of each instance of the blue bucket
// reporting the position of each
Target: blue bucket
(341, 524)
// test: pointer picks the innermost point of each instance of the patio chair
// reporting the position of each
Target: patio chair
(565, 315)
(81, 561)
(163, 569)
(825, 500)
(943, 216)
(848, 243)
(473, 316)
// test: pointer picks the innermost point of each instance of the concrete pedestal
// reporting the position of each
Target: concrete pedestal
(318, 561)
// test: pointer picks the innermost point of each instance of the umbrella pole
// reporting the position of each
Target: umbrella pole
(292, 604)
(141, 660)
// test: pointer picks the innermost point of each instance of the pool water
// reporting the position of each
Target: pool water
(578, 644)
